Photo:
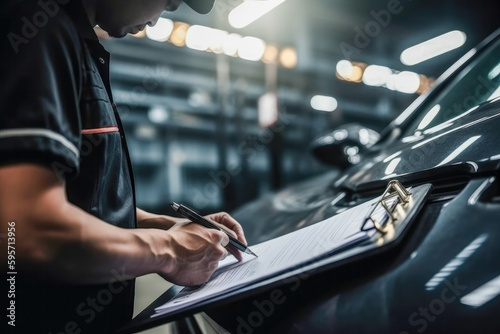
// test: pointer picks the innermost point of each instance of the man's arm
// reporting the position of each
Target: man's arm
(58, 241)
(150, 220)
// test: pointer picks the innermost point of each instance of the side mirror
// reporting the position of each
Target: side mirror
(342, 146)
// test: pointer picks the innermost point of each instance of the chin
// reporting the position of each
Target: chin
(115, 33)
(120, 35)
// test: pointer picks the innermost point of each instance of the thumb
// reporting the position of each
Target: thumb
(224, 241)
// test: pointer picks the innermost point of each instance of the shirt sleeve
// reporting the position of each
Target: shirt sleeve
(40, 85)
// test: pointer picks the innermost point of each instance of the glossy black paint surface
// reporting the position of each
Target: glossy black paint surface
(445, 276)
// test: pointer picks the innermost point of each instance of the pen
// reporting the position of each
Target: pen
(196, 218)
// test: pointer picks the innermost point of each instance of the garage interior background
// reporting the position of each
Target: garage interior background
(196, 102)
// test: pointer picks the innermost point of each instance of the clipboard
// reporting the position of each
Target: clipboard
(389, 233)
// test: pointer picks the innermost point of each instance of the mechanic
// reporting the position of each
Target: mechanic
(66, 185)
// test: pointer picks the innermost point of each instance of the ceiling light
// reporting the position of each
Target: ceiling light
(231, 44)
(178, 36)
(324, 103)
(250, 11)
(345, 68)
(350, 71)
(251, 48)
(406, 82)
(198, 37)
(161, 31)
(433, 47)
(375, 75)
(288, 58)
(270, 55)
(158, 114)
(217, 39)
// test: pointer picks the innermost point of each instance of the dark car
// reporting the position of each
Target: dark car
(443, 276)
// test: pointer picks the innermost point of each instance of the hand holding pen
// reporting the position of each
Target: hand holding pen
(196, 218)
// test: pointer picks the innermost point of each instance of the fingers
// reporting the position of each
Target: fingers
(198, 251)
(226, 253)
(236, 253)
(227, 222)
(226, 229)
(224, 241)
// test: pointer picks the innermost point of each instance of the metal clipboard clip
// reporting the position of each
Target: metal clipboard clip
(394, 189)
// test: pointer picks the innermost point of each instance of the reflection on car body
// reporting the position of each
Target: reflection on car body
(445, 276)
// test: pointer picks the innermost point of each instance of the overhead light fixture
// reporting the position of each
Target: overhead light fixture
(350, 71)
(270, 55)
(375, 75)
(158, 114)
(161, 31)
(198, 37)
(288, 57)
(324, 103)
(251, 48)
(205, 39)
(405, 82)
(202, 38)
(382, 76)
(217, 39)
(231, 44)
(433, 47)
(251, 10)
(345, 68)
(178, 36)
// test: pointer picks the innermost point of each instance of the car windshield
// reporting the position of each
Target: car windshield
(477, 83)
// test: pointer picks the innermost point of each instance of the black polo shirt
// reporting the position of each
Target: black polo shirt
(56, 109)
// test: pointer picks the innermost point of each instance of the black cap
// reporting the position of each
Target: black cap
(201, 6)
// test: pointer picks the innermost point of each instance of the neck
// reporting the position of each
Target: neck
(90, 9)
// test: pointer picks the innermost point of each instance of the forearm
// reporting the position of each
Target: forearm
(57, 241)
(70, 246)
(150, 220)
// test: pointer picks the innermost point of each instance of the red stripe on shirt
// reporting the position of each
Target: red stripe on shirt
(107, 129)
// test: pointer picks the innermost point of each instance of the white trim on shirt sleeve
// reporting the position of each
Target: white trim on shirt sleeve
(40, 133)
